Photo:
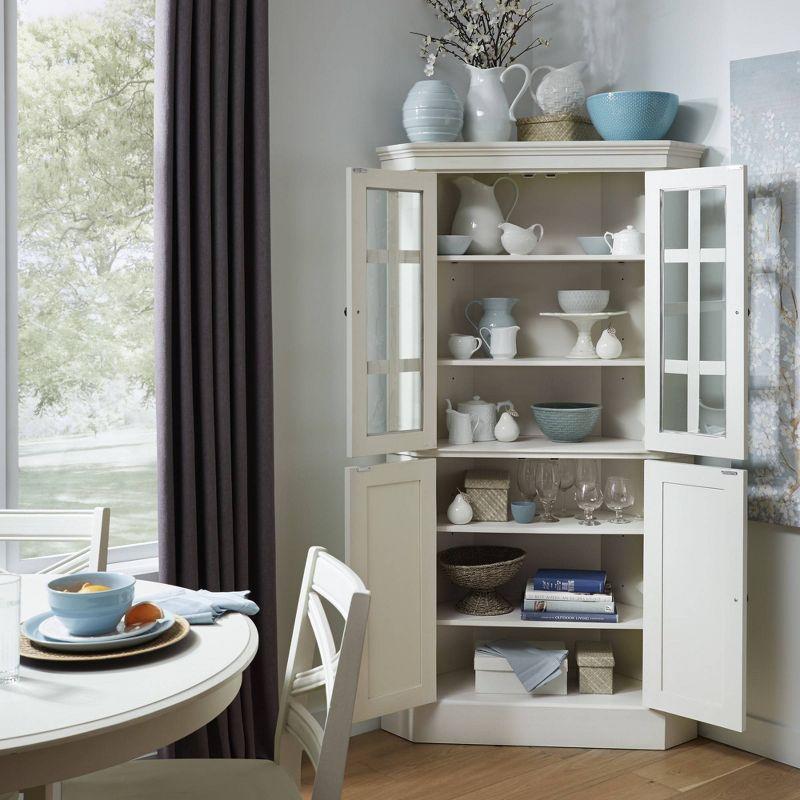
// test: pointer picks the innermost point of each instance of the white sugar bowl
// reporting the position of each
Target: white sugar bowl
(608, 345)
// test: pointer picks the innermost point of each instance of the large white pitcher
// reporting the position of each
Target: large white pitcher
(478, 214)
(487, 114)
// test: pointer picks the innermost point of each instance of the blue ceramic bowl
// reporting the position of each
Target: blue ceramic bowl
(632, 115)
(566, 422)
(523, 511)
(92, 613)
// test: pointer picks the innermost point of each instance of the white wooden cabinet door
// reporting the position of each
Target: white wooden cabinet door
(391, 544)
(696, 311)
(695, 600)
(391, 311)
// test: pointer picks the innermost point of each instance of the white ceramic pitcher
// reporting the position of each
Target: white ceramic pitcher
(461, 427)
(487, 114)
(502, 342)
(561, 91)
(478, 214)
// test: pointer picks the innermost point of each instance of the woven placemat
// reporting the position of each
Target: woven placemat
(180, 630)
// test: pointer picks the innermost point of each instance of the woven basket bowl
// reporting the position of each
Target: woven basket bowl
(481, 569)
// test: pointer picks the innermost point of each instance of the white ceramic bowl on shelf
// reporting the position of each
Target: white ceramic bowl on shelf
(583, 301)
(594, 245)
(452, 244)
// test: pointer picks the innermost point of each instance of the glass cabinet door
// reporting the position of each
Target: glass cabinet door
(391, 311)
(695, 344)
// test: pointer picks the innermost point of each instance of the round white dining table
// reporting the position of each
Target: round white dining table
(61, 720)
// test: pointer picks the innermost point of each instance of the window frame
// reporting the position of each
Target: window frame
(9, 398)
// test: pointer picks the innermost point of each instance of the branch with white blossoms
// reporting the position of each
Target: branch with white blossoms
(482, 33)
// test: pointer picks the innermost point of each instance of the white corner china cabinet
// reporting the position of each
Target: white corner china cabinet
(677, 392)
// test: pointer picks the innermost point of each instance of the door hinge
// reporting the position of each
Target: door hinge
(359, 170)
(729, 472)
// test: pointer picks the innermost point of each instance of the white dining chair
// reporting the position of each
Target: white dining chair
(86, 528)
(298, 729)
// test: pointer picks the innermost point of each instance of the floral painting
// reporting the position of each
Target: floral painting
(765, 135)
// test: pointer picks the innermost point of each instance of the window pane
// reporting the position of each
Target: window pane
(85, 332)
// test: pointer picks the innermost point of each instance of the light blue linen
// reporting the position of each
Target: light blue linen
(201, 607)
(534, 667)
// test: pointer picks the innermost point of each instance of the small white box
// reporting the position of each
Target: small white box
(493, 674)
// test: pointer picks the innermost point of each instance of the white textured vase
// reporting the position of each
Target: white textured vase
(486, 111)
(432, 112)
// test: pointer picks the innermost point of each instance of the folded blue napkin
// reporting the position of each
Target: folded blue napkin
(201, 607)
(531, 665)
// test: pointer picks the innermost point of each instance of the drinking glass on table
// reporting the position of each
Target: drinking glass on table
(619, 496)
(9, 628)
(547, 483)
(566, 480)
(589, 497)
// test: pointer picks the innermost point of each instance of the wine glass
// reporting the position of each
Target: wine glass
(547, 483)
(526, 478)
(619, 496)
(586, 471)
(590, 498)
(566, 476)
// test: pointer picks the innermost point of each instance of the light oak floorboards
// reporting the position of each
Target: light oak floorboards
(384, 766)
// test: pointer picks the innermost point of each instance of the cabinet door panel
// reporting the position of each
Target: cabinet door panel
(695, 344)
(695, 603)
(391, 544)
(391, 314)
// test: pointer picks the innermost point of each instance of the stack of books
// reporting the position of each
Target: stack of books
(569, 595)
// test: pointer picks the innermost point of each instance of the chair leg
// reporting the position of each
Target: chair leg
(291, 757)
(50, 791)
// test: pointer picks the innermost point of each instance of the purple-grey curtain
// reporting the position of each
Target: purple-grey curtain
(213, 332)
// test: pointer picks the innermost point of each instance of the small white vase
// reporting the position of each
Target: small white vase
(507, 429)
(608, 346)
(487, 114)
(459, 512)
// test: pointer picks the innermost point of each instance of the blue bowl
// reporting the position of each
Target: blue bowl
(523, 511)
(566, 422)
(625, 116)
(92, 613)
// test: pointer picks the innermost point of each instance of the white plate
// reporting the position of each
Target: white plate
(31, 629)
(54, 628)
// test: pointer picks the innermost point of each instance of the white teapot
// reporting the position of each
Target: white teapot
(485, 414)
(627, 242)
(519, 241)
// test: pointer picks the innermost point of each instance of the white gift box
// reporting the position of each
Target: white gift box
(493, 674)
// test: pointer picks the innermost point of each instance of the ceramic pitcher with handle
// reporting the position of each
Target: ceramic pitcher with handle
(561, 91)
(487, 114)
(496, 314)
(478, 214)
(461, 427)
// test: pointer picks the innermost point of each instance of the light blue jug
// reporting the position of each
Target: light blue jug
(496, 314)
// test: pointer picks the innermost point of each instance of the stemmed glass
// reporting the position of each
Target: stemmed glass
(590, 498)
(547, 483)
(586, 471)
(526, 478)
(566, 480)
(618, 497)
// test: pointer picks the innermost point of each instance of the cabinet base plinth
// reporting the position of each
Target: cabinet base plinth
(617, 721)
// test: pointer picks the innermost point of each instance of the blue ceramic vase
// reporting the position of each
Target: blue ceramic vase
(432, 112)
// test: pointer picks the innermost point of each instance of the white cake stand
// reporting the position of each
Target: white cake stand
(583, 347)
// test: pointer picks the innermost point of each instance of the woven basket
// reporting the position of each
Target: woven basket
(481, 568)
(556, 128)
(487, 490)
(595, 667)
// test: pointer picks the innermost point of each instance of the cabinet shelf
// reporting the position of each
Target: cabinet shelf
(568, 526)
(630, 618)
(542, 361)
(541, 447)
(541, 258)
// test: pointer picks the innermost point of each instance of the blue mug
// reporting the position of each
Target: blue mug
(523, 511)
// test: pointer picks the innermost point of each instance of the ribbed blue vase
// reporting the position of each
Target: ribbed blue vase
(432, 112)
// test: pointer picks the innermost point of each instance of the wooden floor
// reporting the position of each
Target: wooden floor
(384, 767)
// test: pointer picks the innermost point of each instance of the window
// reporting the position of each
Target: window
(84, 299)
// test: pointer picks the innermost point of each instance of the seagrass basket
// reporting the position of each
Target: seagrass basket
(556, 128)
(487, 490)
(481, 569)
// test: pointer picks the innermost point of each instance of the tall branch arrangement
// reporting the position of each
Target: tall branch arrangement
(482, 33)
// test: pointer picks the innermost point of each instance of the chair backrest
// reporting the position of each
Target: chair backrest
(89, 528)
(327, 578)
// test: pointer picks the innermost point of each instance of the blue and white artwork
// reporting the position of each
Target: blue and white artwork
(765, 135)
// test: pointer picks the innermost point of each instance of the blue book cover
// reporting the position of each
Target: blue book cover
(557, 616)
(571, 580)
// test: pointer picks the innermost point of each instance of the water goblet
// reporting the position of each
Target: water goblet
(547, 483)
(526, 478)
(590, 498)
(618, 497)
(566, 476)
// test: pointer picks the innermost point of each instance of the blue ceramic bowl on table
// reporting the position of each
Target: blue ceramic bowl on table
(566, 422)
(90, 613)
(626, 116)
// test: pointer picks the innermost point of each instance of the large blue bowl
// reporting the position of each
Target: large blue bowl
(566, 422)
(93, 613)
(626, 116)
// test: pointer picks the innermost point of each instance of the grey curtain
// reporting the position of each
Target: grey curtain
(213, 332)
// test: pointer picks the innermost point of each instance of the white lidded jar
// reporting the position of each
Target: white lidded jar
(459, 512)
